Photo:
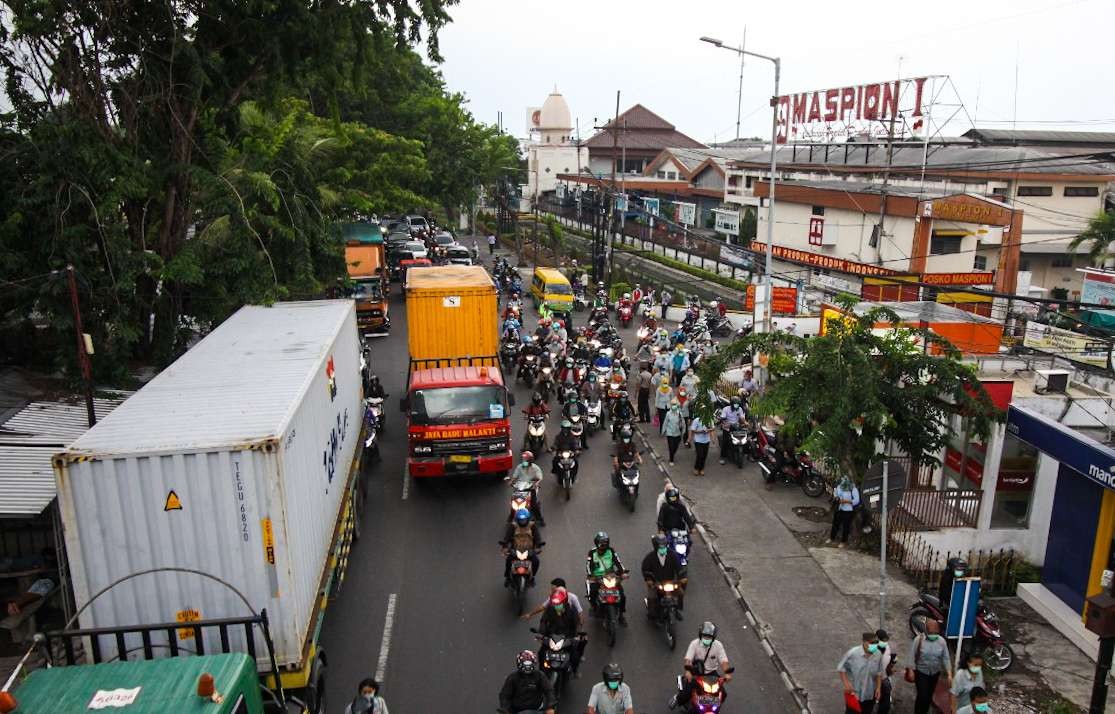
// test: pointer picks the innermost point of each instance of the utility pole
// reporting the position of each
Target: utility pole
(612, 201)
(739, 95)
(883, 546)
(82, 349)
(622, 192)
(883, 189)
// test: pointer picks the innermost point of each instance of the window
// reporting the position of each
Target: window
(1062, 261)
(672, 175)
(818, 210)
(1035, 190)
(1014, 490)
(944, 244)
(979, 262)
(661, 174)
(749, 180)
(1082, 191)
(964, 457)
(1024, 265)
(1000, 191)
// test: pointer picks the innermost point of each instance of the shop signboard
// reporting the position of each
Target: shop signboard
(1068, 446)
(823, 261)
(651, 206)
(785, 300)
(1099, 288)
(727, 222)
(958, 278)
(832, 282)
(846, 111)
(687, 213)
(1066, 343)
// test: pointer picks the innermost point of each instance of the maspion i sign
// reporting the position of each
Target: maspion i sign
(843, 111)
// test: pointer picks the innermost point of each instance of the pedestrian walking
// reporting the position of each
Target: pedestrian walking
(367, 700)
(861, 674)
(928, 661)
(699, 436)
(663, 393)
(845, 499)
(643, 395)
(672, 428)
(683, 408)
(666, 296)
(889, 657)
(679, 364)
(491, 243)
(967, 679)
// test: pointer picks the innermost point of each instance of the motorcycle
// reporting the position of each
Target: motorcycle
(529, 370)
(521, 579)
(609, 593)
(760, 438)
(522, 496)
(798, 470)
(988, 639)
(644, 335)
(719, 326)
(592, 416)
(580, 304)
(566, 465)
(536, 433)
(708, 694)
(509, 351)
(679, 541)
(626, 313)
(577, 424)
(557, 658)
(666, 612)
(546, 384)
(373, 412)
(628, 483)
(737, 443)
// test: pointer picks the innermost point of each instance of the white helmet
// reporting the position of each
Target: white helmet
(712, 303)
(627, 296)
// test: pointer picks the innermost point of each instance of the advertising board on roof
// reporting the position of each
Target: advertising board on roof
(847, 111)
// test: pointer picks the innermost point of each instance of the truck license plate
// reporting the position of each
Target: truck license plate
(460, 459)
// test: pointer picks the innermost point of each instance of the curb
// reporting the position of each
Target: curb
(798, 693)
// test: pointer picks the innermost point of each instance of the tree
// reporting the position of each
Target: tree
(1100, 237)
(748, 225)
(845, 393)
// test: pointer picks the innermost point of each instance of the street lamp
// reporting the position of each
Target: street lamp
(767, 322)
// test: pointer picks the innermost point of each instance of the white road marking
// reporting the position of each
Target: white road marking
(385, 643)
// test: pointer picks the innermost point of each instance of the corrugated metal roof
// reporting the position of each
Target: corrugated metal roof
(55, 423)
(26, 479)
(918, 310)
(240, 384)
(1022, 136)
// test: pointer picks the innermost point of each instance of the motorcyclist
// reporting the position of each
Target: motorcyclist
(674, 514)
(521, 534)
(581, 350)
(516, 284)
(565, 441)
(662, 339)
(528, 477)
(610, 695)
(721, 309)
(730, 416)
(954, 568)
(650, 322)
(511, 327)
(527, 688)
(542, 330)
(678, 336)
(558, 332)
(600, 561)
(619, 377)
(530, 348)
(560, 619)
(659, 566)
(601, 299)
(536, 408)
(622, 412)
(637, 294)
(575, 407)
(625, 451)
(705, 654)
(625, 301)
(375, 389)
(568, 372)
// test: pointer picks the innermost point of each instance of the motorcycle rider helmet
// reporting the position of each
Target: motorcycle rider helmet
(559, 325)
(612, 673)
(600, 285)
(560, 596)
(566, 424)
(658, 541)
(526, 662)
(568, 361)
(672, 495)
(707, 630)
(601, 540)
(522, 517)
(536, 399)
(625, 434)
(528, 456)
(527, 339)
(627, 296)
(592, 377)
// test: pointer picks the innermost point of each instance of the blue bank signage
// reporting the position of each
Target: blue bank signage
(1071, 448)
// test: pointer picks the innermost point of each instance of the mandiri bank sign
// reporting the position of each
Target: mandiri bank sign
(845, 111)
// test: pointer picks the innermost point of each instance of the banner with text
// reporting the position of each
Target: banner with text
(1066, 343)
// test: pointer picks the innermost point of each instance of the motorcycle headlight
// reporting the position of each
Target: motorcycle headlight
(575, 418)
(556, 645)
(609, 581)
(679, 548)
(521, 554)
(668, 587)
(546, 370)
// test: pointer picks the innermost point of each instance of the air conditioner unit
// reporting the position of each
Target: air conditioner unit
(1051, 381)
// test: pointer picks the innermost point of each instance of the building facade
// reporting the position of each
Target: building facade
(552, 148)
(631, 141)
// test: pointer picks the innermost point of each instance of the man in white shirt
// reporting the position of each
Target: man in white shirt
(705, 655)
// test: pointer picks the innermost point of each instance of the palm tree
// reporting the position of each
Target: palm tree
(1100, 233)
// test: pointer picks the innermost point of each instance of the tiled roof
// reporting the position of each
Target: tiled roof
(642, 129)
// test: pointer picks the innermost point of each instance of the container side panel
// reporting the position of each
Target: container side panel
(452, 325)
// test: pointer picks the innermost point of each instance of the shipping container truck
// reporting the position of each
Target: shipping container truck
(235, 475)
(366, 259)
(456, 399)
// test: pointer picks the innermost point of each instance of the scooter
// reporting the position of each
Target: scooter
(522, 496)
(798, 471)
(566, 467)
(529, 370)
(988, 639)
(609, 593)
(625, 314)
(509, 351)
(546, 384)
(592, 416)
(536, 433)
(521, 579)
(372, 415)
(557, 658)
(708, 694)
(628, 483)
(679, 541)
(580, 304)
(665, 614)
(737, 442)
(719, 326)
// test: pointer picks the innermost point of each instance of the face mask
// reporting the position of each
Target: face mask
(958, 573)
(663, 550)
(982, 707)
(369, 697)
(707, 642)
(559, 609)
(932, 638)
(974, 668)
(872, 648)
(613, 685)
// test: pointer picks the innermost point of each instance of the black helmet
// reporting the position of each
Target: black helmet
(612, 673)
(658, 540)
(602, 539)
(672, 495)
(536, 398)
(625, 433)
(707, 630)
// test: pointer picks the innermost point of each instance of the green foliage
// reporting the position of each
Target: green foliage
(617, 290)
(748, 224)
(1099, 236)
(686, 268)
(848, 392)
(555, 235)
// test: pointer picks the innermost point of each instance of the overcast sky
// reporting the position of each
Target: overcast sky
(508, 55)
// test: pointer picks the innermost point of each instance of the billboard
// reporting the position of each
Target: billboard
(1066, 343)
(726, 221)
(1099, 288)
(687, 213)
(852, 110)
(651, 206)
(785, 301)
(534, 119)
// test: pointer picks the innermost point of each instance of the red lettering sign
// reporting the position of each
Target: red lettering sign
(958, 278)
(859, 103)
(784, 301)
(816, 230)
(823, 261)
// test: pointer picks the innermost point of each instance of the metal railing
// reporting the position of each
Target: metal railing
(930, 509)
(924, 563)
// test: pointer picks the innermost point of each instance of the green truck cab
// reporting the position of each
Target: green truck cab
(159, 686)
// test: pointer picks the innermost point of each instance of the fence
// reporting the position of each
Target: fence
(925, 563)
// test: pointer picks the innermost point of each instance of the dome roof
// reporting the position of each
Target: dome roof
(555, 113)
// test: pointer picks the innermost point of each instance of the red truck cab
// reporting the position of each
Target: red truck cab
(458, 421)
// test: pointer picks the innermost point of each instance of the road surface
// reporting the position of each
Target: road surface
(424, 605)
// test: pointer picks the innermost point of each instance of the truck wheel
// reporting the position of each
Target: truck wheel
(315, 693)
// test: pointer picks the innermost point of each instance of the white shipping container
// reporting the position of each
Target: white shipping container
(233, 461)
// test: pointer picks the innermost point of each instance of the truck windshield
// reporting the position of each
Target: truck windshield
(456, 404)
(367, 290)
